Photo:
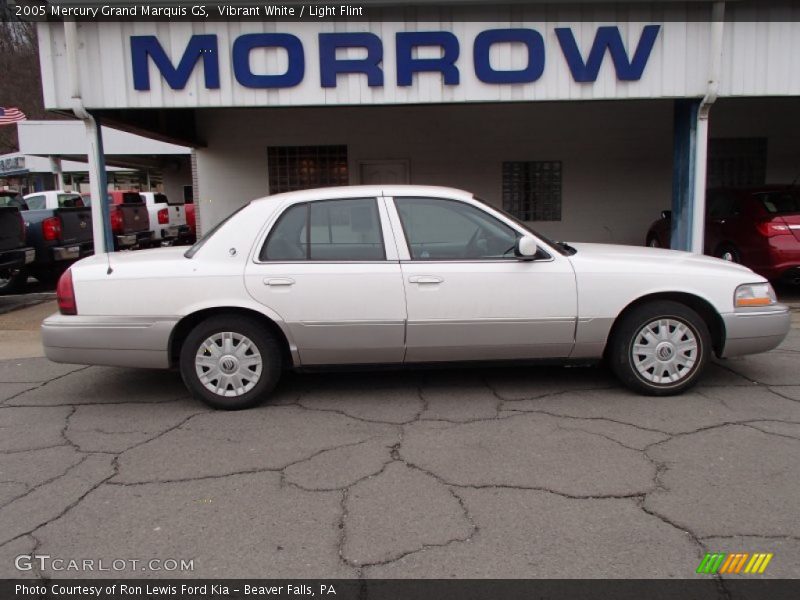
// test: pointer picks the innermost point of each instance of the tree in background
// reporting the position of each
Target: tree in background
(20, 78)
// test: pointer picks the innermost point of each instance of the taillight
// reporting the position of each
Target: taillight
(116, 221)
(163, 216)
(65, 293)
(771, 228)
(51, 228)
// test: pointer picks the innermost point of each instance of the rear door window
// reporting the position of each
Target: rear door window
(327, 230)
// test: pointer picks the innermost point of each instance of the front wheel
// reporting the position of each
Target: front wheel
(660, 348)
(230, 362)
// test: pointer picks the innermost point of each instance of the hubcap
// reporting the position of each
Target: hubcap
(728, 256)
(665, 351)
(228, 364)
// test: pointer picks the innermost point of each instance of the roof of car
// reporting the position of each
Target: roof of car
(367, 191)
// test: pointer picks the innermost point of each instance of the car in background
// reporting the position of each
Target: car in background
(402, 275)
(130, 222)
(758, 227)
(59, 229)
(191, 220)
(14, 252)
(167, 219)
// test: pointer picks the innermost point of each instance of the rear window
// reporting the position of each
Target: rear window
(11, 200)
(70, 201)
(131, 198)
(780, 203)
(163, 198)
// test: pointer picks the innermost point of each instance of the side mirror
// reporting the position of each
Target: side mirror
(526, 248)
(666, 214)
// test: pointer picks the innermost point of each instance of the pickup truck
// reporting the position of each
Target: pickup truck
(14, 253)
(130, 223)
(167, 219)
(59, 228)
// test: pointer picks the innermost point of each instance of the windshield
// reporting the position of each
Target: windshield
(199, 243)
(560, 247)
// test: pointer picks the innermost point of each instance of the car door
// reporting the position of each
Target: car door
(329, 268)
(468, 297)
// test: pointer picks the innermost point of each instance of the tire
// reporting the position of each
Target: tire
(729, 253)
(214, 334)
(653, 242)
(12, 281)
(668, 323)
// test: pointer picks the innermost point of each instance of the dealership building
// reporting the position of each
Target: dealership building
(585, 120)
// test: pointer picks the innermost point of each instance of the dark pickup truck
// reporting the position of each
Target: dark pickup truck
(59, 227)
(130, 223)
(14, 253)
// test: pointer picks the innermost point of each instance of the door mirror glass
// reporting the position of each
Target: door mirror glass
(526, 247)
(666, 214)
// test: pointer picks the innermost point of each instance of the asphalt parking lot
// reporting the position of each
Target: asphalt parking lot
(490, 472)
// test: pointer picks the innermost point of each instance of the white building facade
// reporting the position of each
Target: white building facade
(569, 118)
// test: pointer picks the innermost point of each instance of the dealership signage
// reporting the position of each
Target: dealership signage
(452, 56)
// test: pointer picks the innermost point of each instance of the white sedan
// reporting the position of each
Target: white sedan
(402, 275)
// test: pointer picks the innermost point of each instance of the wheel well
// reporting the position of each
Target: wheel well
(716, 327)
(187, 323)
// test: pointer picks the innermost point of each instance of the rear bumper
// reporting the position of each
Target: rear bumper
(113, 341)
(128, 240)
(750, 332)
(72, 251)
(19, 257)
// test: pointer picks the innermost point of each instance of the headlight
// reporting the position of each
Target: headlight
(754, 294)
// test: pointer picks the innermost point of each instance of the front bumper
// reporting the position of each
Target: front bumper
(113, 341)
(758, 330)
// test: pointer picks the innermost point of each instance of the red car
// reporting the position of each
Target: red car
(757, 227)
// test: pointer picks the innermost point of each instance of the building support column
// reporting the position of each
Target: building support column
(101, 222)
(55, 169)
(683, 173)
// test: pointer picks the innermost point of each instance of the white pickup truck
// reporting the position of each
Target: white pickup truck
(167, 219)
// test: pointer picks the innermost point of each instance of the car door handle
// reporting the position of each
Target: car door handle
(425, 279)
(278, 281)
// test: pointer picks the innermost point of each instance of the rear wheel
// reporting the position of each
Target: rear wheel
(230, 362)
(660, 348)
(653, 242)
(12, 281)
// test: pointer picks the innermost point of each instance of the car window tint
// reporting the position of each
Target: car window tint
(36, 202)
(339, 230)
(345, 230)
(288, 240)
(438, 229)
(781, 203)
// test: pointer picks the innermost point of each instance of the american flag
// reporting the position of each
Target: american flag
(11, 115)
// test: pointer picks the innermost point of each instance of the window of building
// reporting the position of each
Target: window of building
(438, 229)
(737, 162)
(532, 190)
(327, 230)
(302, 167)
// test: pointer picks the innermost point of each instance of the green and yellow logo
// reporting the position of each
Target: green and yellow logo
(720, 563)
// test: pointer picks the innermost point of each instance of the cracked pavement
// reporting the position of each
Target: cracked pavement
(520, 472)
